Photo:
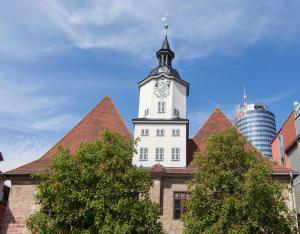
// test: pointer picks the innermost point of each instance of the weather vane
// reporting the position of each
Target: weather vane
(165, 21)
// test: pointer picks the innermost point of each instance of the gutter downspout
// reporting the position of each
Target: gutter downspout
(293, 197)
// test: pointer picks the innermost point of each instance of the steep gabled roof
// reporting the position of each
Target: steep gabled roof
(216, 122)
(104, 116)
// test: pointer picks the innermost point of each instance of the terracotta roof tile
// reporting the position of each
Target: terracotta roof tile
(104, 116)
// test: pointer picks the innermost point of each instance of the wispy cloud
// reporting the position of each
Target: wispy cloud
(23, 106)
(21, 149)
(200, 28)
(276, 98)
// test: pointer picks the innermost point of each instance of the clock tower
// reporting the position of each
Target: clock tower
(162, 126)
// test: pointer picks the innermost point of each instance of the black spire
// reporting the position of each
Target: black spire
(165, 54)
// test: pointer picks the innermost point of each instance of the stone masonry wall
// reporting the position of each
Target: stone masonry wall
(21, 204)
(162, 192)
(170, 185)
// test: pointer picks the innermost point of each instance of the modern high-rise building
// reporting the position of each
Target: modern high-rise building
(257, 123)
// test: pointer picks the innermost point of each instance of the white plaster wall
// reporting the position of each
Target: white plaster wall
(179, 99)
(176, 99)
(167, 142)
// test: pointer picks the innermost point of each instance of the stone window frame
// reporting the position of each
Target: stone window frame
(179, 197)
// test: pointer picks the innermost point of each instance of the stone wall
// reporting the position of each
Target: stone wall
(20, 205)
(162, 192)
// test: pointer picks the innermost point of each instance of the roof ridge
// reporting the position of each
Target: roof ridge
(217, 109)
(120, 115)
(84, 118)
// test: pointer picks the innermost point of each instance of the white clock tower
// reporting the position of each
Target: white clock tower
(162, 126)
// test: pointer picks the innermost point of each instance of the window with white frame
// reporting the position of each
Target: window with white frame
(175, 132)
(176, 112)
(160, 132)
(175, 154)
(161, 108)
(143, 154)
(159, 154)
(145, 132)
(146, 111)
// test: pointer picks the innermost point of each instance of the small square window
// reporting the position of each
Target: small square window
(175, 132)
(176, 112)
(145, 132)
(160, 132)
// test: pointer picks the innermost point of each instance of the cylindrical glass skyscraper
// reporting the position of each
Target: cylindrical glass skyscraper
(257, 123)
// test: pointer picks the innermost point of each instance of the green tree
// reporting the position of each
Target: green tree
(232, 191)
(96, 190)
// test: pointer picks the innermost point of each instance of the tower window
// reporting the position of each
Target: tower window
(175, 132)
(160, 132)
(143, 154)
(161, 107)
(146, 111)
(179, 199)
(175, 154)
(145, 132)
(159, 154)
(176, 112)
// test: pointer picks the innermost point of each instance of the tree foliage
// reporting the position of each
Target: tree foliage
(96, 190)
(232, 191)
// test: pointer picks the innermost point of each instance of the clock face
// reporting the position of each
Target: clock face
(162, 88)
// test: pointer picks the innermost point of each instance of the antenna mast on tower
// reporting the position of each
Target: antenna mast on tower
(245, 97)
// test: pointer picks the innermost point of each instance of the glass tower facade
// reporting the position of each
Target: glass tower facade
(257, 123)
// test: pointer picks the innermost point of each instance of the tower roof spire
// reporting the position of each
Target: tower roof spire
(165, 21)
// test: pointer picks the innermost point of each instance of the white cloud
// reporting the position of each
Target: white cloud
(200, 28)
(21, 149)
(23, 106)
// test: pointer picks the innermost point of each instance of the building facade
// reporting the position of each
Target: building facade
(286, 147)
(257, 123)
(161, 126)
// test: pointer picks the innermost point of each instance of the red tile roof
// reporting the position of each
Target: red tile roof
(216, 122)
(104, 116)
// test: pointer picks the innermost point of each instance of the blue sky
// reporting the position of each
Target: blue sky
(58, 59)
